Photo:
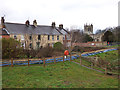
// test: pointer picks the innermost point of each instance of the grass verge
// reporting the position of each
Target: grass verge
(60, 75)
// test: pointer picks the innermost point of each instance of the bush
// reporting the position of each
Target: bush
(29, 53)
(45, 52)
(10, 48)
(58, 46)
(78, 49)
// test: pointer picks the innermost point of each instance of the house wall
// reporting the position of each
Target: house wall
(98, 37)
(67, 40)
(43, 41)
(86, 29)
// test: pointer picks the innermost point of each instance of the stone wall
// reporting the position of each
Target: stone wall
(88, 29)
(25, 39)
(90, 44)
(98, 37)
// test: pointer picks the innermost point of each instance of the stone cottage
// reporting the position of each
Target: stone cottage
(35, 36)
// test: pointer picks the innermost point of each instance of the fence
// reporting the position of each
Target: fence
(94, 62)
(43, 61)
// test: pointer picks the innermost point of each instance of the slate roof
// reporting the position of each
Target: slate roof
(3, 31)
(63, 31)
(16, 28)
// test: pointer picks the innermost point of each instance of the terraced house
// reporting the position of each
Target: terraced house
(36, 36)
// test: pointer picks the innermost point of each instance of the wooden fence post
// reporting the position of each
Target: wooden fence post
(12, 62)
(28, 62)
(54, 60)
(118, 76)
(91, 64)
(96, 62)
(105, 70)
(63, 58)
(44, 62)
(70, 58)
(80, 60)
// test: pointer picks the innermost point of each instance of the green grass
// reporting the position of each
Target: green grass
(88, 64)
(113, 46)
(60, 75)
(110, 56)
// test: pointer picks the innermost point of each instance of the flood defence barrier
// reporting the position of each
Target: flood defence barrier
(98, 52)
(41, 61)
(50, 60)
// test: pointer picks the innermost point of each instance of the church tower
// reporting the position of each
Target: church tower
(88, 29)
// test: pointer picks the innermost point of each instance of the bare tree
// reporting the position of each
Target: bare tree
(77, 36)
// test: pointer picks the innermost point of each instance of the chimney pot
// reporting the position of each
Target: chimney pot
(61, 26)
(27, 23)
(53, 24)
(3, 22)
(35, 23)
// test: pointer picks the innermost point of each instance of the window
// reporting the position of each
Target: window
(48, 37)
(89, 29)
(52, 37)
(23, 45)
(97, 39)
(22, 37)
(30, 37)
(57, 37)
(15, 36)
(52, 44)
(63, 38)
(39, 37)
(49, 44)
(30, 45)
(41, 47)
(38, 44)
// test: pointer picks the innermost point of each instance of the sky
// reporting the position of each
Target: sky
(70, 13)
(119, 14)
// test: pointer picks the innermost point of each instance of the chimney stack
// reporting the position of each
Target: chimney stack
(35, 23)
(27, 23)
(3, 22)
(53, 24)
(61, 26)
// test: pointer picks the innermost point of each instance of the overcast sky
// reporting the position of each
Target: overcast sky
(70, 13)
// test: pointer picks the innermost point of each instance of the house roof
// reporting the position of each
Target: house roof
(16, 28)
(3, 31)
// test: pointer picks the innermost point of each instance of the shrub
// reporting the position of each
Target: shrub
(58, 46)
(29, 53)
(10, 48)
(78, 49)
(45, 52)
